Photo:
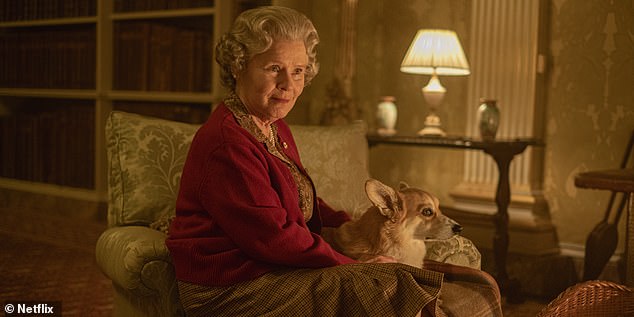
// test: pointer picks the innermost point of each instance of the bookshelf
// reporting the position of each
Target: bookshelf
(65, 64)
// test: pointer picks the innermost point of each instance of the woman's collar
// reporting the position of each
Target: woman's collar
(242, 115)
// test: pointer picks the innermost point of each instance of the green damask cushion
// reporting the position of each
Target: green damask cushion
(336, 158)
(146, 157)
(456, 250)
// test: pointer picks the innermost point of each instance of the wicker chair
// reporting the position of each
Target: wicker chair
(592, 298)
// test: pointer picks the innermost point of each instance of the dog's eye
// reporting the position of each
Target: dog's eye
(427, 212)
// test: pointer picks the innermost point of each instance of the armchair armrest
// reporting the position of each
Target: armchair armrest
(136, 259)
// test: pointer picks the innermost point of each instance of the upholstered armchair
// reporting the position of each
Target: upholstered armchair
(146, 156)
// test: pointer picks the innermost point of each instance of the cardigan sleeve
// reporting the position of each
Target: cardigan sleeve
(244, 193)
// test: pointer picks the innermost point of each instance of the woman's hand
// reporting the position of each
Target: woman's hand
(378, 259)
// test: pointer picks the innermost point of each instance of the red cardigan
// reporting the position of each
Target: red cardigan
(237, 212)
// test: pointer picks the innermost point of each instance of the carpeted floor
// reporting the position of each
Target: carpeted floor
(47, 259)
(529, 308)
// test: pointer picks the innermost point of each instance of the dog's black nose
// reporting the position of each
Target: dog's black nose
(456, 228)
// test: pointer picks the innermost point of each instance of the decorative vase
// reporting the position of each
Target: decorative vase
(386, 114)
(488, 118)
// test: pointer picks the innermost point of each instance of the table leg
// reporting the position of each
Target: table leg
(509, 287)
(629, 243)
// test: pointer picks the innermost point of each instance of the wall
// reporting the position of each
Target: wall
(589, 107)
(324, 15)
(386, 29)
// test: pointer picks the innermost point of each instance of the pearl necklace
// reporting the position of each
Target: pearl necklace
(271, 134)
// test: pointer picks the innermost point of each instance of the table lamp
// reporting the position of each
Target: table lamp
(435, 52)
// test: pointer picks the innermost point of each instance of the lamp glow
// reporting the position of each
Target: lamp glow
(435, 52)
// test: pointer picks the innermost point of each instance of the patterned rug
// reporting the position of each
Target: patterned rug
(50, 259)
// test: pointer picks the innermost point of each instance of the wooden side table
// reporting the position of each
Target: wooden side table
(502, 151)
(617, 180)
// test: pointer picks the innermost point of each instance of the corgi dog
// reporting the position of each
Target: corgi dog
(391, 225)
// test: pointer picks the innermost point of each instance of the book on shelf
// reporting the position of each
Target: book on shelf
(152, 5)
(131, 47)
(184, 62)
(57, 58)
(153, 56)
(52, 144)
(7, 146)
(203, 48)
(162, 45)
(27, 10)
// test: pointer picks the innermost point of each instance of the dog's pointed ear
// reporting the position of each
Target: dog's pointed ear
(383, 197)
(402, 185)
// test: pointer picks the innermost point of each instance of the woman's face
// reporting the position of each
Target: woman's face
(271, 82)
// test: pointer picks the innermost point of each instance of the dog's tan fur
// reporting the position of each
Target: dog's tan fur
(389, 227)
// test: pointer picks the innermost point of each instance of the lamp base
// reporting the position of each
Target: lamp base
(432, 126)
(431, 131)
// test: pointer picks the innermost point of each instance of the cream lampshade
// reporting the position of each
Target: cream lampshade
(435, 52)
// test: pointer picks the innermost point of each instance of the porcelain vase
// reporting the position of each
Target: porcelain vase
(488, 118)
(386, 114)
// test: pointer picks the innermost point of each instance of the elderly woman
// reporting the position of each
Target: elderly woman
(245, 240)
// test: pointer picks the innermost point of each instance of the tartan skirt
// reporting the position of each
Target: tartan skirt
(361, 289)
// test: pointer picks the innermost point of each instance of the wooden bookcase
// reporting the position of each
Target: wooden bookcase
(65, 64)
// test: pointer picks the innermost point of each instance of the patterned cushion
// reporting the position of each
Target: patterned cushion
(456, 250)
(336, 158)
(146, 157)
